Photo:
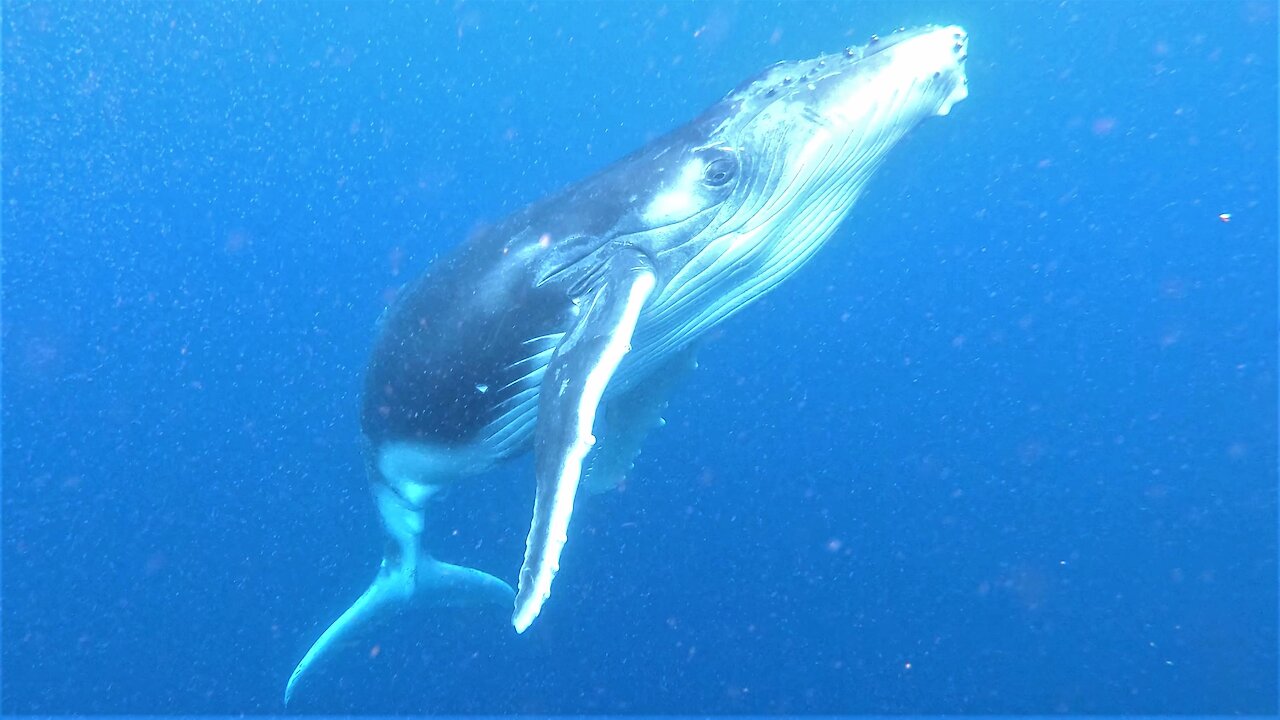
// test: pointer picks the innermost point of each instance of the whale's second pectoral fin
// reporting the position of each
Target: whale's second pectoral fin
(572, 387)
(629, 416)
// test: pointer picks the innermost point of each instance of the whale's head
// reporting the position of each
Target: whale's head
(732, 203)
(764, 176)
(809, 133)
(801, 129)
(862, 93)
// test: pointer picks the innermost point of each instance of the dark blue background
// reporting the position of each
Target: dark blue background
(1008, 445)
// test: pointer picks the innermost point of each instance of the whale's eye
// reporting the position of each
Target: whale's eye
(720, 171)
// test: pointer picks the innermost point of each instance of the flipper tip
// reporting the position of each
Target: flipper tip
(521, 621)
(288, 689)
(527, 610)
(298, 672)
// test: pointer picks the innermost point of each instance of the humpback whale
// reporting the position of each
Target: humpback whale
(564, 327)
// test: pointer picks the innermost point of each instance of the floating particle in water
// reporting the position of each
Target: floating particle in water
(1104, 126)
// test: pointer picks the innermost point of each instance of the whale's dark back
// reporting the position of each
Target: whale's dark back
(445, 346)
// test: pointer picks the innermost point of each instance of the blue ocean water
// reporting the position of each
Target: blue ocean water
(1008, 445)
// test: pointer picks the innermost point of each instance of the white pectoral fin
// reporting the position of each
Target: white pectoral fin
(572, 387)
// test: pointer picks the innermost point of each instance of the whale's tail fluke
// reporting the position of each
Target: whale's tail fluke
(434, 584)
(408, 578)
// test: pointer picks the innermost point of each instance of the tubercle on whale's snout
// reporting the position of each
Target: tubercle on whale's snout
(960, 49)
(932, 50)
(876, 44)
